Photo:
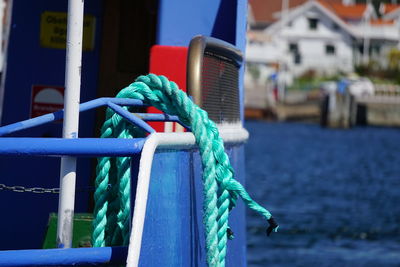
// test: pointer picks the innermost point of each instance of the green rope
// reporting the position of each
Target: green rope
(221, 190)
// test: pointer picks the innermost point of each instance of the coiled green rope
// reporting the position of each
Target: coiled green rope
(221, 190)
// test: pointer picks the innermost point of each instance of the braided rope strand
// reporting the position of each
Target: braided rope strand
(220, 190)
(101, 194)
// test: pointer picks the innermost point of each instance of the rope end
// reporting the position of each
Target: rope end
(273, 226)
(230, 234)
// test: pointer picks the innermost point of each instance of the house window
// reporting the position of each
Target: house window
(293, 48)
(297, 58)
(312, 23)
(376, 49)
(330, 49)
(361, 49)
(335, 27)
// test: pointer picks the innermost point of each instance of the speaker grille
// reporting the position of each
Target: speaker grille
(220, 88)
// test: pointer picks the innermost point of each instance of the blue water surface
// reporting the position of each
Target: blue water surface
(335, 193)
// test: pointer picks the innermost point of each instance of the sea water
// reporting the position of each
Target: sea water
(335, 194)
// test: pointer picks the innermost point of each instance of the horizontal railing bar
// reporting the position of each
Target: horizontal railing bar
(130, 117)
(157, 117)
(64, 257)
(18, 126)
(160, 117)
(21, 125)
(79, 147)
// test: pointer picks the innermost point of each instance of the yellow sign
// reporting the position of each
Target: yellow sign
(53, 30)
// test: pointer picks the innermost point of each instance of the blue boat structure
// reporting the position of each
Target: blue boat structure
(168, 177)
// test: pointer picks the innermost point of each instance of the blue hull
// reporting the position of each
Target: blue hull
(174, 231)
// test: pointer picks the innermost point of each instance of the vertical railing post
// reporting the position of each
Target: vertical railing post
(71, 121)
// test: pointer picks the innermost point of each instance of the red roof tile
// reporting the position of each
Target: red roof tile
(387, 8)
(263, 10)
(381, 22)
(346, 12)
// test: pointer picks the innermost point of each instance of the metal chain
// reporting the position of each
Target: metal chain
(39, 190)
(23, 189)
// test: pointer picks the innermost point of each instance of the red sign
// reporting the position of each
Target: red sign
(46, 99)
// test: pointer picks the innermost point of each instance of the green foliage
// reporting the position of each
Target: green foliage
(394, 59)
(310, 80)
(254, 70)
(391, 74)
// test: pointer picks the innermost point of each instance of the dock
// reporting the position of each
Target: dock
(297, 105)
(333, 110)
(345, 110)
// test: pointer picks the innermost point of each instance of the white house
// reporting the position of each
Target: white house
(323, 36)
(309, 37)
(391, 14)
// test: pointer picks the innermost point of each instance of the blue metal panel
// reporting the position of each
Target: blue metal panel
(64, 257)
(166, 236)
(179, 21)
(237, 220)
(27, 64)
(241, 25)
(241, 28)
(174, 232)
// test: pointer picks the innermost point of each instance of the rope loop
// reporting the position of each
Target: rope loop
(221, 190)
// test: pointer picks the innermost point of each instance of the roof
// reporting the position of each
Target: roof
(381, 22)
(263, 10)
(387, 8)
(329, 13)
(346, 12)
(389, 11)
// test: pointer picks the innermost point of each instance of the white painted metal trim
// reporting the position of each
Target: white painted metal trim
(66, 201)
(6, 38)
(170, 141)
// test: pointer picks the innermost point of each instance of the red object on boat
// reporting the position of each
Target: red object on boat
(169, 61)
